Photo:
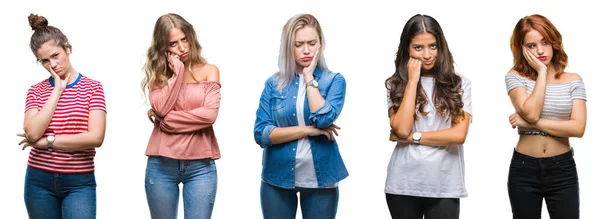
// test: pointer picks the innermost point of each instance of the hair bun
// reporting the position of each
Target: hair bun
(37, 22)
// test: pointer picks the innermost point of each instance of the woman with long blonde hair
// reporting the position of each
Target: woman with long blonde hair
(184, 92)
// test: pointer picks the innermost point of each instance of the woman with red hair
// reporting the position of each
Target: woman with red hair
(550, 107)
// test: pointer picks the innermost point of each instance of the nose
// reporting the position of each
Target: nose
(53, 63)
(305, 49)
(426, 54)
(181, 47)
(539, 50)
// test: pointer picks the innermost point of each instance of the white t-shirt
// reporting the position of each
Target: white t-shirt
(429, 171)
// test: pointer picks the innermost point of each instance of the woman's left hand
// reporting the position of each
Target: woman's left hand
(41, 143)
(517, 121)
(313, 64)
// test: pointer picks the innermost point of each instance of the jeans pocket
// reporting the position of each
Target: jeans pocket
(566, 165)
(516, 164)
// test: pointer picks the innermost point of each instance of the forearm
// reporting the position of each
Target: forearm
(532, 106)
(285, 134)
(444, 137)
(77, 142)
(163, 99)
(402, 120)
(189, 121)
(560, 128)
(36, 125)
(315, 99)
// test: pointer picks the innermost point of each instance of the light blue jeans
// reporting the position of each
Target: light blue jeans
(199, 178)
(280, 203)
(54, 196)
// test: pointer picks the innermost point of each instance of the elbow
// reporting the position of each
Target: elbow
(531, 118)
(32, 136)
(579, 133)
(97, 142)
(403, 134)
(460, 140)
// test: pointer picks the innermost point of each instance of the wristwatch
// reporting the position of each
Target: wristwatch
(50, 140)
(313, 83)
(416, 136)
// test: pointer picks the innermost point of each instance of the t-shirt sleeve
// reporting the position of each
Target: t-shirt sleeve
(32, 99)
(513, 81)
(578, 90)
(466, 96)
(389, 98)
(97, 101)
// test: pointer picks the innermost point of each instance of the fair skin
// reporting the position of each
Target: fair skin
(423, 56)
(55, 60)
(306, 54)
(178, 50)
(538, 53)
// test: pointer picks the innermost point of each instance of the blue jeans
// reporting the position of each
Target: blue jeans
(53, 196)
(199, 178)
(280, 203)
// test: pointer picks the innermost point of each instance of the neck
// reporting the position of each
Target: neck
(551, 70)
(72, 77)
(427, 73)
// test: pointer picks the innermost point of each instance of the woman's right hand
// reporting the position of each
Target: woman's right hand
(414, 69)
(173, 60)
(328, 132)
(534, 62)
(60, 83)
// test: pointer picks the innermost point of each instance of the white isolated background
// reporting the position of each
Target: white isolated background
(110, 39)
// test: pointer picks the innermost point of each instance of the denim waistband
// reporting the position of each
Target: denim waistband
(523, 157)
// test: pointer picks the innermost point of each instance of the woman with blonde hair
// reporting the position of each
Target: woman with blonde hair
(550, 107)
(294, 126)
(184, 92)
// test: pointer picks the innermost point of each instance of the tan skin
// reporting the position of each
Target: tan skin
(529, 107)
(55, 59)
(423, 55)
(178, 50)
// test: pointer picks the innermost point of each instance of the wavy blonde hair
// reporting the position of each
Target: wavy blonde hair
(287, 61)
(157, 67)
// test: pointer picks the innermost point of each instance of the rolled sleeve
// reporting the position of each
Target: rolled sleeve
(334, 102)
(264, 124)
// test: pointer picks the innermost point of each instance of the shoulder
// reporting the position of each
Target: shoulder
(40, 85)
(569, 77)
(210, 69)
(86, 81)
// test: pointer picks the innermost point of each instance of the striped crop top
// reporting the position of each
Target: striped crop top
(557, 99)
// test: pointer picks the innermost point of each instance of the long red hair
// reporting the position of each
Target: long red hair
(551, 35)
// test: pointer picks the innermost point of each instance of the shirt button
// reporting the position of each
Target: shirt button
(281, 96)
(292, 168)
(293, 149)
(294, 97)
(294, 114)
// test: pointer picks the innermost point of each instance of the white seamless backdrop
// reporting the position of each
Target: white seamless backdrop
(110, 39)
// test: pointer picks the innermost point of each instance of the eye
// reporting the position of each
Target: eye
(433, 46)
(44, 61)
(544, 42)
(298, 44)
(530, 46)
(418, 48)
(184, 39)
(172, 44)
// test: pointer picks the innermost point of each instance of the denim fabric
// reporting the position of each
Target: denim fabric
(199, 178)
(554, 179)
(280, 203)
(278, 109)
(54, 196)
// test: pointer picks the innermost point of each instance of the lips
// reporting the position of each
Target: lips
(543, 58)
(428, 63)
(306, 59)
(183, 55)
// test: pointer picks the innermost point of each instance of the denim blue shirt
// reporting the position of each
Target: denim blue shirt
(278, 109)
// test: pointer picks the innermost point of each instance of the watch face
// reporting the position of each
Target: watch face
(417, 136)
(315, 83)
(50, 138)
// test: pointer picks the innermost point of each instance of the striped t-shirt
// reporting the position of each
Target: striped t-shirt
(557, 99)
(70, 117)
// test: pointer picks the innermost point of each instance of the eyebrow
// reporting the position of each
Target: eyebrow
(53, 54)
(297, 41)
